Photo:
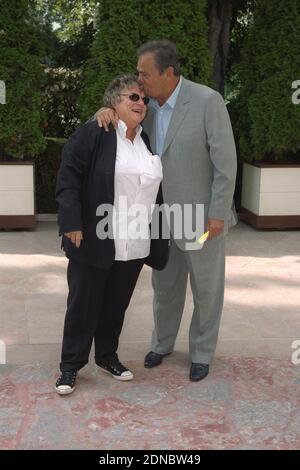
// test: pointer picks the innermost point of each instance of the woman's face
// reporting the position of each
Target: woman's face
(131, 112)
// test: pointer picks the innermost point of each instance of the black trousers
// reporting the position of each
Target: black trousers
(96, 307)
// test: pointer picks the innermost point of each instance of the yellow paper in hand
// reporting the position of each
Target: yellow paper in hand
(203, 237)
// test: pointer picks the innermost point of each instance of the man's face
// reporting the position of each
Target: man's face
(153, 82)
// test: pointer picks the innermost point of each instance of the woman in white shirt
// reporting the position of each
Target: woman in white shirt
(101, 170)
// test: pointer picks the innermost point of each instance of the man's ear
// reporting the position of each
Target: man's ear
(170, 71)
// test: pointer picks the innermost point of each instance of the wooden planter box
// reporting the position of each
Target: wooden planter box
(17, 207)
(271, 195)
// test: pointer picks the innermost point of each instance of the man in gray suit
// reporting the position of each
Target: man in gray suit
(189, 127)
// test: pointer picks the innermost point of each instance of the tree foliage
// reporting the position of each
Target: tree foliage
(60, 101)
(123, 26)
(227, 21)
(67, 29)
(185, 23)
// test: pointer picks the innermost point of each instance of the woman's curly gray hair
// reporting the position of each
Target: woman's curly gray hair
(112, 94)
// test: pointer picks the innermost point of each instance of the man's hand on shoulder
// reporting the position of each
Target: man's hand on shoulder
(105, 116)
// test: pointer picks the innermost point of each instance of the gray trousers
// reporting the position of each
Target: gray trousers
(206, 268)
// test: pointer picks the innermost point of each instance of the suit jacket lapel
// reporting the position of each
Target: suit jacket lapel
(178, 115)
(149, 126)
(109, 154)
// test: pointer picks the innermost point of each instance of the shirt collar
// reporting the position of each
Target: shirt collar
(171, 101)
(122, 128)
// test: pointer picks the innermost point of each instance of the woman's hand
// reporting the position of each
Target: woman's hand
(75, 237)
(105, 116)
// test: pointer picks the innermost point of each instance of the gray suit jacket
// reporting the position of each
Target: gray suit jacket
(199, 156)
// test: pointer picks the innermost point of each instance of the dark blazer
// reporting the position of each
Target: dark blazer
(86, 180)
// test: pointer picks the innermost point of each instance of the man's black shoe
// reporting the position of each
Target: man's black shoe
(198, 371)
(153, 359)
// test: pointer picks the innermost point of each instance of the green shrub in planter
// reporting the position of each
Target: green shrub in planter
(21, 118)
(266, 121)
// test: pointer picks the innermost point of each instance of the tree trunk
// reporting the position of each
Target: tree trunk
(220, 12)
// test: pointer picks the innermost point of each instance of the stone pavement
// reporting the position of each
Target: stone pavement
(249, 400)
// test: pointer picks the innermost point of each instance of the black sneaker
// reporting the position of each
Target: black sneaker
(115, 369)
(65, 384)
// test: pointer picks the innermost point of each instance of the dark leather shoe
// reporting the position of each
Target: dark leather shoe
(198, 371)
(153, 359)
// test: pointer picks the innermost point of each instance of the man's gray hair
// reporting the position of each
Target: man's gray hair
(112, 94)
(165, 55)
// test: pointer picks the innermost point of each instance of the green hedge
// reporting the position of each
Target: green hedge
(113, 51)
(46, 168)
(266, 122)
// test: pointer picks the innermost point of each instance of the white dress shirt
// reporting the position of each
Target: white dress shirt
(138, 174)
